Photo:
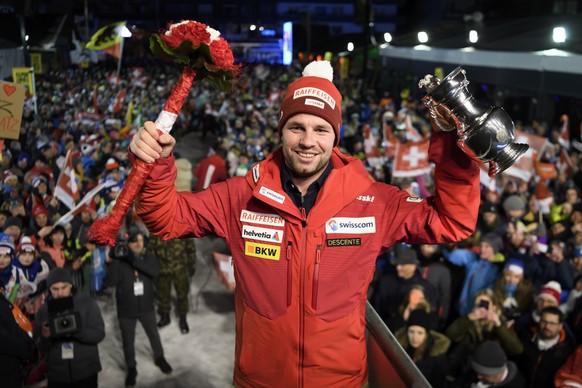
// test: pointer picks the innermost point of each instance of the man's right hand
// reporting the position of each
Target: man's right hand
(149, 144)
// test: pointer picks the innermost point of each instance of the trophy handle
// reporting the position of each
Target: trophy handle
(442, 116)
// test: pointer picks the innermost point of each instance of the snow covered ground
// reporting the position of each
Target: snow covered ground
(202, 358)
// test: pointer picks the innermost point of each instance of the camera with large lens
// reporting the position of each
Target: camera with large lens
(63, 319)
(121, 249)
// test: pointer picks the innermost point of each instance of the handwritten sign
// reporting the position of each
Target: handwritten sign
(24, 76)
(11, 105)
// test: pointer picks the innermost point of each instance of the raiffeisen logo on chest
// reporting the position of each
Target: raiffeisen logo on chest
(351, 225)
(261, 218)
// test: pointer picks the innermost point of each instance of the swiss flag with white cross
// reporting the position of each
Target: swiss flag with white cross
(411, 159)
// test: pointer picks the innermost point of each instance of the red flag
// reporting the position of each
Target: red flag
(545, 170)
(114, 51)
(224, 269)
(118, 102)
(412, 133)
(524, 167)
(536, 143)
(370, 142)
(113, 79)
(138, 78)
(66, 189)
(565, 165)
(411, 159)
(564, 138)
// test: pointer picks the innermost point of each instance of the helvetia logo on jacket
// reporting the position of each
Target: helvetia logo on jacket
(351, 225)
(263, 234)
(262, 251)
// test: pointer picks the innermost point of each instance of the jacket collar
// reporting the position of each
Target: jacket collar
(346, 181)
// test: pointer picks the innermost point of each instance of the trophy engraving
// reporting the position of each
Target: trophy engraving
(486, 133)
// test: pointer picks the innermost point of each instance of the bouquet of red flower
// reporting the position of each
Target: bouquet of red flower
(203, 54)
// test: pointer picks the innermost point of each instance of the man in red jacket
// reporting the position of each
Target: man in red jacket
(304, 227)
(211, 169)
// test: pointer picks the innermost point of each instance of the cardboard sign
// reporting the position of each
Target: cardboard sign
(11, 105)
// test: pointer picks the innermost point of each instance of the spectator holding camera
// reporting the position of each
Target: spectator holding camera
(132, 272)
(69, 337)
(484, 322)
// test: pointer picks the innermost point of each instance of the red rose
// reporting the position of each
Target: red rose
(222, 55)
(192, 31)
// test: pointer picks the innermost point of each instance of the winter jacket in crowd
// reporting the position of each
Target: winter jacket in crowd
(391, 292)
(15, 346)
(123, 272)
(85, 362)
(540, 366)
(479, 274)
(464, 331)
(433, 363)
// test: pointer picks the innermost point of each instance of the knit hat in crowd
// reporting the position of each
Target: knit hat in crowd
(494, 240)
(513, 202)
(58, 275)
(6, 245)
(488, 207)
(314, 93)
(38, 210)
(26, 245)
(488, 359)
(37, 180)
(403, 254)
(13, 221)
(552, 290)
(111, 164)
(419, 317)
(515, 266)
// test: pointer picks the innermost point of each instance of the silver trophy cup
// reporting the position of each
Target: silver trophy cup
(486, 133)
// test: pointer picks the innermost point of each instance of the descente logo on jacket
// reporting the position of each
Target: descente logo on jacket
(351, 225)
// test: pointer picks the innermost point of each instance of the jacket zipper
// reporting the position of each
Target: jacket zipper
(316, 277)
(289, 273)
(302, 297)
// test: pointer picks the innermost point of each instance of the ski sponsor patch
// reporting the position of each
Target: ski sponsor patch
(343, 242)
(414, 199)
(262, 251)
(315, 103)
(263, 234)
(261, 218)
(272, 194)
(351, 225)
(315, 92)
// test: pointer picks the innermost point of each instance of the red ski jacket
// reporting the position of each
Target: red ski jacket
(301, 282)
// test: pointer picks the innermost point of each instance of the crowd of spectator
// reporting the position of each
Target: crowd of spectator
(512, 289)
